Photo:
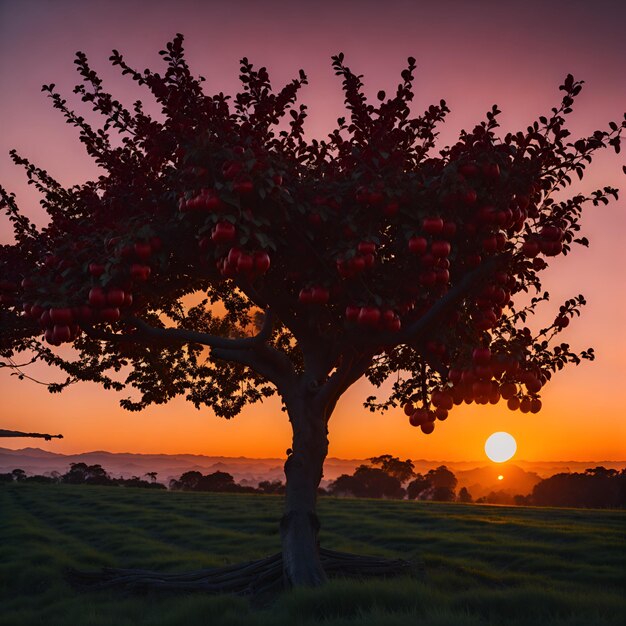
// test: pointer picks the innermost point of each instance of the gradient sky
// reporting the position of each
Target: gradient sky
(472, 54)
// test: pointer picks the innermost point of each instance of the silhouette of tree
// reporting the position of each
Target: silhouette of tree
(417, 487)
(152, 476)
(393, 466)
(595, 488)
(81, 473)
(465, 496)
(272, 487)
(367, 482)
(19, 475)
(367, 255)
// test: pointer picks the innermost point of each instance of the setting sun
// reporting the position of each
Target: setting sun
(500, 447)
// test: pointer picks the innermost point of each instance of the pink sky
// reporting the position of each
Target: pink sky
(472, 54)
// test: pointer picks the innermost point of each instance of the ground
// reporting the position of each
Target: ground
(481, 564)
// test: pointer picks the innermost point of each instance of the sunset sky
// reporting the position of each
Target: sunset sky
(472, 54)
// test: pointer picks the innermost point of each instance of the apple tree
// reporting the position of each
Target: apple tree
(224, 257)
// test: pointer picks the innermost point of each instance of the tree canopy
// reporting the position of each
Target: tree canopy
(363, 253)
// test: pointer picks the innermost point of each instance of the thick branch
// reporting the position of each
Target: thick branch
(16, 433)
(442, 306)
(265, 360)
(181, 335)
(350, 370)
(191, 336)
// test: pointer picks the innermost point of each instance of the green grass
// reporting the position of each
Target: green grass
(483, 564)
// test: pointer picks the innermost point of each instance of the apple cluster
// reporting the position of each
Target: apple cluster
(488, 379)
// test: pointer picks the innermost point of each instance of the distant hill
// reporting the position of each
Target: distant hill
(480, 479)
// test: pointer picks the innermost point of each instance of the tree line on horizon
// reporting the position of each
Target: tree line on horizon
(384, 477)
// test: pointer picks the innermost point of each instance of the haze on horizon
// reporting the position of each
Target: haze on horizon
(489, 53)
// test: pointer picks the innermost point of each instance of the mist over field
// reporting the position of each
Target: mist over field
(479, 477)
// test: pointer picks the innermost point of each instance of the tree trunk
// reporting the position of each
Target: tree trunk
(300, 525)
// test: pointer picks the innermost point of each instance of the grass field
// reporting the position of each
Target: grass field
(482, 564)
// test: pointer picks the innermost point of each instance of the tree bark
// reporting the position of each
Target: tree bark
(299, 527)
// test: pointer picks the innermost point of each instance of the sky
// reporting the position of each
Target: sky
(473, 55)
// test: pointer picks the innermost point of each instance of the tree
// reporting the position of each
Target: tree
(443, 483)
(81, 473)
(437, 484)
(597, 487)
(364, 254)
(393, 466)
(272, 487)
(152, 476)
(367, 482)
(465, 496)
(417, 487)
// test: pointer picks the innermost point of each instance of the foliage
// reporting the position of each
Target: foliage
(595, 488)
(367, 482)
(365, 253)
(402, 470)
(437, 484)
(217, 482)
(465, 496)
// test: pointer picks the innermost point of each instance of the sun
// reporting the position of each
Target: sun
(500, 447)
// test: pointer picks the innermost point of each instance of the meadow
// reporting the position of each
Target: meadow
(478, 564)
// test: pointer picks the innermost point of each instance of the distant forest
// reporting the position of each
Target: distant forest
(384, 476)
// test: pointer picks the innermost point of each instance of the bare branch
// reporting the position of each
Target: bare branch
(16, 433)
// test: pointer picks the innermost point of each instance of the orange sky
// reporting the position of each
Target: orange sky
(473, 55)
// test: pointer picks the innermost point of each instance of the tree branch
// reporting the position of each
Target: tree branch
(449, 300)
(350, 370)
(16, 433)
(265, 360)
(425, 323)
(181, 335)
(191, 336)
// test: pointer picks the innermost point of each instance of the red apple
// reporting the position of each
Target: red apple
(440, 248)
(96, 269)
(261, 262)
(369, 316)
(61, 333)
(366, 247)
(61, 316)
(142, 250)
(432, 225)
(418, 245)
(223, 232)
(319, 295)
(110, 314)
(245, 262)
(305, 296)
(481, 356)
(243, 187)
(427, 427)
(352, 313)
(115, 297)
(530, 249)
(97, 297)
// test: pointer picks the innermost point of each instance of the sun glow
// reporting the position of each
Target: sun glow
(500, 477)
(500, 447)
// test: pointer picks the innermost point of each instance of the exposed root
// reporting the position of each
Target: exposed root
(251, 578)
